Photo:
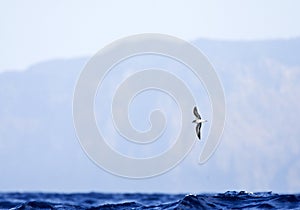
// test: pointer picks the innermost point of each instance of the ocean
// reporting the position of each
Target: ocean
(227, 200)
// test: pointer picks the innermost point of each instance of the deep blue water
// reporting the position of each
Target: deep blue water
(228, 200)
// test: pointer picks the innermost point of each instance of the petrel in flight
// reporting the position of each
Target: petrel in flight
(198, 121)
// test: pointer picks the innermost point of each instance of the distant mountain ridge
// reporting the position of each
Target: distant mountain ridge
(261, 80)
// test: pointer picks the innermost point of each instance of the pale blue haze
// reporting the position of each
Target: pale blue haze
(45, 44)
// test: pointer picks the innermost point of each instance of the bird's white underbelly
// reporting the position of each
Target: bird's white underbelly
(199, 121)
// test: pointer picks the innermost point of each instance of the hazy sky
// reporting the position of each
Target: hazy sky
(38, 35)
(34, 31)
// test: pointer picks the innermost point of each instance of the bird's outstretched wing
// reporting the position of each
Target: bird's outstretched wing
(196, 113)
(198, 130)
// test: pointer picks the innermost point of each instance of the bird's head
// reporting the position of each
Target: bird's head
(194, 121)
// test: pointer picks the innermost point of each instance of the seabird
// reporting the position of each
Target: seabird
(198, 121)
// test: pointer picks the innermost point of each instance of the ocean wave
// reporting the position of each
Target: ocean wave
(227, 200)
